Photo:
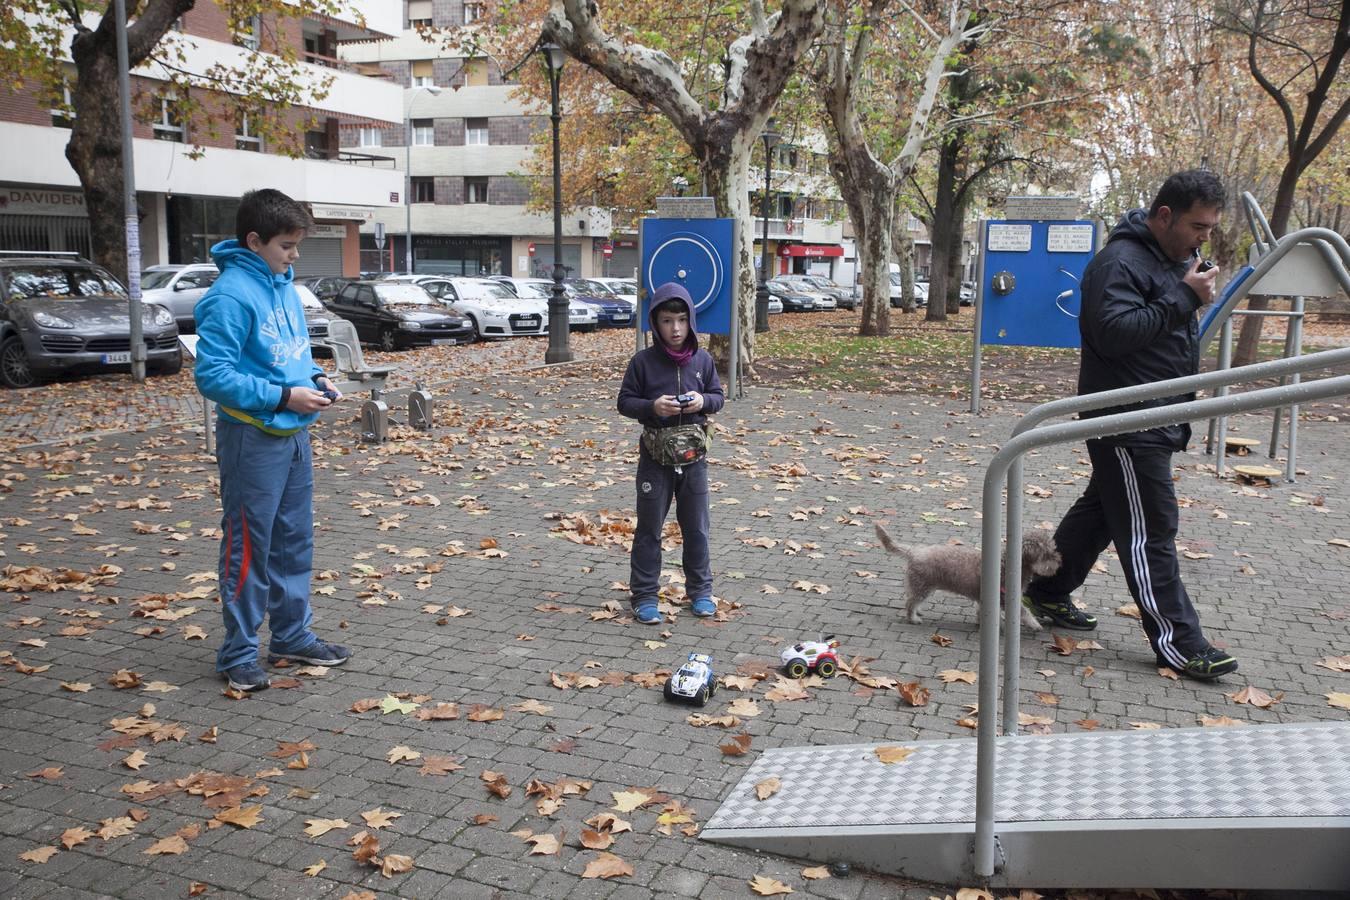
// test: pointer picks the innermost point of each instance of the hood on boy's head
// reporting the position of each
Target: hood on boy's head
(673, 291)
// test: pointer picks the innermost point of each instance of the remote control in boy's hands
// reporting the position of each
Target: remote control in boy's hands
(684, 399)
(331, 394)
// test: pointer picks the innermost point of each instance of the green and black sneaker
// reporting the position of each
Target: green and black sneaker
(1061, 613)
(1207, 665)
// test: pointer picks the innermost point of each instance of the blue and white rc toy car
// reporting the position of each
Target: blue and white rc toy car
(692, 681)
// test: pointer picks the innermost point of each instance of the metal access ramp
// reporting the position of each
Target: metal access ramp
(1256, 807)
(1077, 810)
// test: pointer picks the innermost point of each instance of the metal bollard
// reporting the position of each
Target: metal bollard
(421, 408)
(375, 419)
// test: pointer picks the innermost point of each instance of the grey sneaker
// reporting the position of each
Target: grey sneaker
(247, 677)
(319, 653)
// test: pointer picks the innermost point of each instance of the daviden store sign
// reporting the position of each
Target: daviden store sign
(30, 201)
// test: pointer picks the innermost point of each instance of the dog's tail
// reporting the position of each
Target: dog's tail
(890, 545)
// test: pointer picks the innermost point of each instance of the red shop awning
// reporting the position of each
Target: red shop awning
(811, 250)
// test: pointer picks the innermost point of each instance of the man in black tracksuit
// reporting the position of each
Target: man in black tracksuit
(1138, 324)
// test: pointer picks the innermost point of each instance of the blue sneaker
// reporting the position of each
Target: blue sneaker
(704, 607)
(247, 677)
(645, 611)
(319, 653)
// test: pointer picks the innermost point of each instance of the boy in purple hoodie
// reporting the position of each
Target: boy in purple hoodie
(672, 383)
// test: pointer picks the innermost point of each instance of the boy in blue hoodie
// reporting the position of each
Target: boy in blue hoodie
(253, 360)
(670, 384)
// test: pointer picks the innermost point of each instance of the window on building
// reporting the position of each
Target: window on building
(316, 144)
(244, 137)
(249, 33)
(423, 190)
(473, 12)
(419, 13)
(421, 73)
(370, 137)
(475, 190)
(475, 131)
(476, 72)
(63, 116)
(423, 132)
(169, 125)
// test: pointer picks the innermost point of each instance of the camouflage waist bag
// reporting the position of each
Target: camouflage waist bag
(678, 445)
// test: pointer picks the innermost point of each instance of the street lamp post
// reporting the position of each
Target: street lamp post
(771, 137)
(559, 337)
(407, 171)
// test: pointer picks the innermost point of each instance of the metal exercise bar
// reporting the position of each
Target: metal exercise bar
(996, 477)
(1012, 654)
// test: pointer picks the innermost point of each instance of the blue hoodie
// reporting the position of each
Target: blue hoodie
(652, 373)
(253, 342)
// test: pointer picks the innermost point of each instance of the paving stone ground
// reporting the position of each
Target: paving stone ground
(511, 460)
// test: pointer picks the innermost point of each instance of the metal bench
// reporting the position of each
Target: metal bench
(349, 361)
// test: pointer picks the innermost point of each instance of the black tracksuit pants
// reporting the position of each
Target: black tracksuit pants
(657, 487)
(1130, 502)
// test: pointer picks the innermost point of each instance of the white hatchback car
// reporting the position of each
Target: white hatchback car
(623, 288)
(177, 288)
(580, 316)
(492, 309)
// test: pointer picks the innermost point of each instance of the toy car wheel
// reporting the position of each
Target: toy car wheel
(797, 668)
(826, 668)
(667, 692)
(701, 698)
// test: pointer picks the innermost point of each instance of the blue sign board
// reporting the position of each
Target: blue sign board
(697, 253)
(1032, 274)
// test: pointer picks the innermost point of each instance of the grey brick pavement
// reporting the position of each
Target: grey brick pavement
(807, 471)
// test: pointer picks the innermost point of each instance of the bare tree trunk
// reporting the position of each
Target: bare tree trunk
(726, 172)
(955, 257)
(95, 150)
(904, 257)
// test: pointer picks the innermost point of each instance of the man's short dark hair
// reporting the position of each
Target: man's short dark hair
(269, 212)
(1183, 190)
(673, 305)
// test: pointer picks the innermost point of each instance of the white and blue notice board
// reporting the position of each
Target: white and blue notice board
(1031, 275)
(697, 253)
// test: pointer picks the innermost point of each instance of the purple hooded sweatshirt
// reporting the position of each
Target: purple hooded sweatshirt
(652, 373)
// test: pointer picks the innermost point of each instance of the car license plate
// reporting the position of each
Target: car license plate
(440, 341)
(621, 317)
(532, 321)
(112, 359)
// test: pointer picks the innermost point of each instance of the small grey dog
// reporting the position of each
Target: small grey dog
(956, 568)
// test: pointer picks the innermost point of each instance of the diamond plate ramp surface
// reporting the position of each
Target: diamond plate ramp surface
(1072, 809)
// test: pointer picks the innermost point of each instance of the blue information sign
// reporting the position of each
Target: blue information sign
(1032, 274)
(697, 253)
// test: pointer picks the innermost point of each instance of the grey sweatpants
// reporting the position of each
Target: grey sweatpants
(657, 486)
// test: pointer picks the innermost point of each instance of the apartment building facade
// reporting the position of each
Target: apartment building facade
(187, 202)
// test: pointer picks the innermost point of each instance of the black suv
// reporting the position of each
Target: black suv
(61, 314)
(398, 315)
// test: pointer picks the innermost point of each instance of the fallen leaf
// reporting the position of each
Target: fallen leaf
(320, 827)
(241, 816)
(1165, 672)
(738, 746)
(39, 855)
(914, 693)
(171, 846)
(544, 844)
(391, 704)
(940, 639)
(496, 783)
(973, 894)
(78, 687)
(291, 748)
(743, 706)
(815, 873)
(1255, 697)
(121, 826)
(596, 840)
(439, 765)
(160, 687)
(395, 864)
(73, 837)
(1335, 663)
(377, 818)
(1338, 700)
(398, 754)
(123, 679)
(627, 801)
(196, 888)
(315, 869)
(951, 675)
(768, 787)
(485, 714)
(483, 819)
(1220, 721)
(441, 712)
(532, 706)
(767, 887)
(890, 755)
(51, 773)
(135, 760)
(606, 865)
(609, 822)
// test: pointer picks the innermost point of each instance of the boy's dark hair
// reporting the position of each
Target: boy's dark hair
(1183, 190)
(269, 212)
(673, 305)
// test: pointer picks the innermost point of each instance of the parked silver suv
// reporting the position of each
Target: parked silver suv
(61, 314)
(178, 288)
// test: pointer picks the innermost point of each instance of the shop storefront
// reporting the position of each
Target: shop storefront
(450, 255)
(40, 219)
(810, 259)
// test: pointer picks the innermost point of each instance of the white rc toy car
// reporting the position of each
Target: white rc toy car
(819, 655)
(692, 681)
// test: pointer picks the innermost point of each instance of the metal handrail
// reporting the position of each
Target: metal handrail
(995, 478)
